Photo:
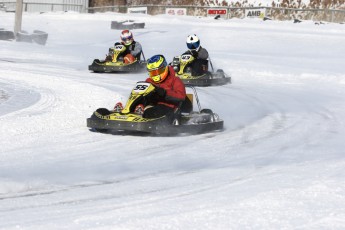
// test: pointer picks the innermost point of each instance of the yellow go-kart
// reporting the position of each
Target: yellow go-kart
(183, 66)
(185, 120)
(116, 63)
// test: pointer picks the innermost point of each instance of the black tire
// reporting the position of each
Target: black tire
(128, 24)
(210, 112)
(40, 37)
(122, 25)
(23, 36)
(220, 73)
(139, 25)
(6, 35)
(103, 111)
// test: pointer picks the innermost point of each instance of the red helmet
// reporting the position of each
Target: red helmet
(126, 37)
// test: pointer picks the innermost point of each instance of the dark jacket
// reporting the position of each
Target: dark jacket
(135, 49)
(202, 53)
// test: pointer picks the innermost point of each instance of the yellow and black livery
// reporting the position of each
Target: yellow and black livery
(183, 65)
(115, 63)
(186, 120)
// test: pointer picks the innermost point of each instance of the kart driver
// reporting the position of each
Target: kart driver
(170, 90)
(133, 48)
(200, 64)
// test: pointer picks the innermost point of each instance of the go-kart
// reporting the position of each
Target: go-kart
(116, 64)
(185, 120)
(183, 66)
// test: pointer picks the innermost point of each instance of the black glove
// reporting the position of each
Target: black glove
(194, 53)
(130, 48)
(108, 58)
(111, 52)
(160, 91)
(117, 43)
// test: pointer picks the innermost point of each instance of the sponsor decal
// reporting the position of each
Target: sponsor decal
(121, 117)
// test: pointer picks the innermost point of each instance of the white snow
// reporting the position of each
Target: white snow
(279, 163)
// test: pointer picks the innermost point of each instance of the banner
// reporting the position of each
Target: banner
(214, 12)
(176, 11)
(255, 13)
(137, 10)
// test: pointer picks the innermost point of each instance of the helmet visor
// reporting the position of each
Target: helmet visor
(127, 39)
(193, 45)
(155, 72)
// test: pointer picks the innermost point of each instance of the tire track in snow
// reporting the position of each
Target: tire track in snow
(3, 96)
(63, 104)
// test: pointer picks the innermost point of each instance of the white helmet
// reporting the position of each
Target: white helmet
(127, 37)
(193, 42)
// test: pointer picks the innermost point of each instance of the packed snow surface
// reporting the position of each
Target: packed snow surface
(278, 164)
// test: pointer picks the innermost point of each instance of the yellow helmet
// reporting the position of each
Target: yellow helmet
(157, 68)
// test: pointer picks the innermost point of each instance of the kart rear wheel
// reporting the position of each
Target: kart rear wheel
(220, 73)
(210, 112)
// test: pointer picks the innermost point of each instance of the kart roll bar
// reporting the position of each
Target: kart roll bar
(195, 94)
(142, 53)
(211, 63)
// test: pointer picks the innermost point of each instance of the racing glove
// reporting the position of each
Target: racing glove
(109, 58)
(160, 91)
(194, 53)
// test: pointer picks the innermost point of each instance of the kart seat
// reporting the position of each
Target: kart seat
(187, 105)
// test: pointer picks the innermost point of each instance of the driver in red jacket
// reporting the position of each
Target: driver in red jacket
(170, 90)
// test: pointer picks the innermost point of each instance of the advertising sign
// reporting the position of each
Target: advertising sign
(176, 11)
(137, 10)
(255, 13)
(217, 11)
(214, 12)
